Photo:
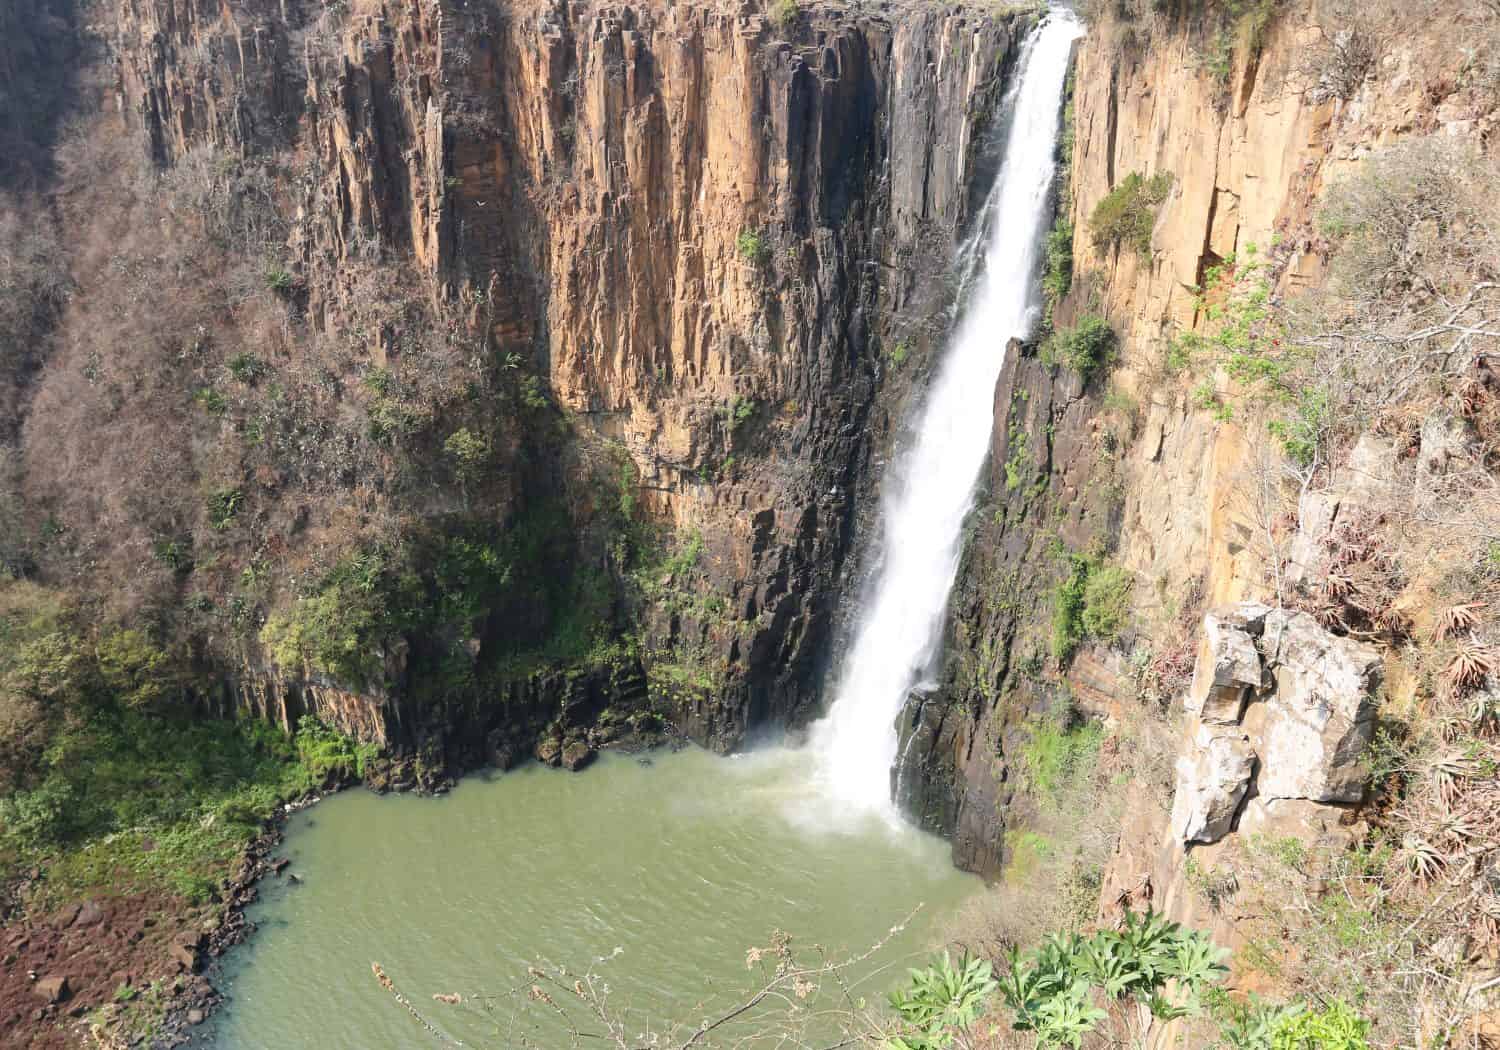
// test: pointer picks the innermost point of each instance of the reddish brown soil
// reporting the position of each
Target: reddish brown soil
(98, 946)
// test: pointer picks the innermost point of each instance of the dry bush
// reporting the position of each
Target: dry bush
(34, 286)
(1352, 37)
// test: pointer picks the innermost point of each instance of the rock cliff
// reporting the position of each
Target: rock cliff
(680, 244)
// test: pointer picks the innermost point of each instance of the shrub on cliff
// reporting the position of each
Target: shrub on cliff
(1106, 602)
(1091, 601)
(1127, 214)
(1085, 348)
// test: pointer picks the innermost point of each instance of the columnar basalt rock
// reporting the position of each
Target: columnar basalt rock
(703, 231)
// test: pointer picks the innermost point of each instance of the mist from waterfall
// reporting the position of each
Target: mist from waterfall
(929, 489)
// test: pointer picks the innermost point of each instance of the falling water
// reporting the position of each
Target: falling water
(930, 490)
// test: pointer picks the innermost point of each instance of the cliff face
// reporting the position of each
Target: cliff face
(688, 237)
(1133, 467)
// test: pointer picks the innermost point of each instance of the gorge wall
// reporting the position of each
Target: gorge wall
(646, 266)
(1156, 471)
(1135, 466)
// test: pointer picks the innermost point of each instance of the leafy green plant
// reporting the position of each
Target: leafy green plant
(1055, 754)
(739, 410)
(224, 506)
(899, 353)
(246, 367)
(1051, 991)
(1057, 274)
(1126, 215)
(752, 246)
(325, 751)
(1091, 601)
(784, 13)
(211, 401)
(1106, 602)
(467, 451)
(1335, 1027)
(1085, 348)
(942, 1001)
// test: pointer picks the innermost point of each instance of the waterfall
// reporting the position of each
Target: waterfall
(930, 489)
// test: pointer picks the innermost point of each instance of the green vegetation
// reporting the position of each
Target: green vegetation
(899, 353)
(326, 753)
(942, 1000)
(1057, 273)
(1060, 991)
(129, 800)
(223, 507)
(1127, 214)
(752, 246)
(114, 784)
(468, 452)
(1086, 348)
(246, 367)
(1245, 336)
(1018, 463)
(1055, 755)
(1091, 601)
(1335, 1027)
(1116, 984)
(739, 410)
(784, 13)
(1106, 602)
(279, 279)
(211, 401)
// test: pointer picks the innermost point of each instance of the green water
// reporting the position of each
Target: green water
(681, 866)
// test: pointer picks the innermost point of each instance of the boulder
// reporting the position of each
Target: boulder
(1213, 777)
(90, 914)
(577, 755)
(52, 989)
(549, 750)
(184, 949)
(1322, 715)
(1230, 668)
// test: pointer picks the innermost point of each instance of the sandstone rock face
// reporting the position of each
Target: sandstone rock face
(1315, 700)
(1222, 684)
(1321, 716)
(1213, 778)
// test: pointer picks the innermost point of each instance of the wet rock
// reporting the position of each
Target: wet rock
(1222, 683)
(52, 989)
(549, 751)
(196, 1016)
(280, 864)
(499, 751)
(1321, 716)
(577, 755)
(1213, 777)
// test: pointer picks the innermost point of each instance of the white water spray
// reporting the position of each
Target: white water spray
(931, 490)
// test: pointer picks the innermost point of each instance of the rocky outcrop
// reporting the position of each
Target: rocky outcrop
(1213, 778)
(703, 231)
(1311, 715)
